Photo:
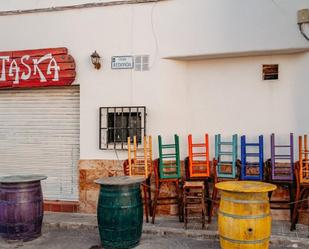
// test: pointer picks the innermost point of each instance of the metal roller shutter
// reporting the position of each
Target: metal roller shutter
(39, 134)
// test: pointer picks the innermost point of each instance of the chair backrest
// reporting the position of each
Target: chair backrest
(252, 159)
(140, 159)
(199, 158)
(282, 160)
(303, 159)
(226, 157)
(169, 159)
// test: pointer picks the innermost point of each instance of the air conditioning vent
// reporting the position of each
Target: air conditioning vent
(141, 62)
(271, 72)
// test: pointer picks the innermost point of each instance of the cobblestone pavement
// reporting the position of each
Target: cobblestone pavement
(60, 238)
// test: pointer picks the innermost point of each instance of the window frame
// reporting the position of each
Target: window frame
(104, 128)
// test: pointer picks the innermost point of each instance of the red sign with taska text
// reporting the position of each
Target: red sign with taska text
(36, 68)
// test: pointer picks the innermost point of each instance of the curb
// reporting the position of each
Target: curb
(168, 232)
(291, 242)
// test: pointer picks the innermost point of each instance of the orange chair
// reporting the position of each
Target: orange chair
(303, 160)
(302, 180)
(139, 163)
(199, 158)
(197, 169)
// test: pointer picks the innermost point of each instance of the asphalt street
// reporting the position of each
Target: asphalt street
(89, 239)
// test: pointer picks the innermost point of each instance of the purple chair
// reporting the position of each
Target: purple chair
(281, 171)
(282, 161)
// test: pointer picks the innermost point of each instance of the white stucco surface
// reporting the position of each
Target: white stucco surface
(217, 96)
(36, 4)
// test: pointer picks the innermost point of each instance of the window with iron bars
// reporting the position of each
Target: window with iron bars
(119, 123)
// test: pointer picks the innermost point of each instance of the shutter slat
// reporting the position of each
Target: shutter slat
(39, 133)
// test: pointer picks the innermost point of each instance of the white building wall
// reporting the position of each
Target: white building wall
(229, 96)
(180, 96)
(181, 27)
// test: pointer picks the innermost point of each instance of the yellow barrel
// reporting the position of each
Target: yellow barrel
(244, 215)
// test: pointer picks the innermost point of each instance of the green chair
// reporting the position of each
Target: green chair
(169, 161)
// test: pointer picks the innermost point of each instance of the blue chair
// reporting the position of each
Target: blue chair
(253, 168)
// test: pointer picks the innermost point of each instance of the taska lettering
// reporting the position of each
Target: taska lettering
(30, 66)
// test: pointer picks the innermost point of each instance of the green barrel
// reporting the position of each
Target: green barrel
(120, 211)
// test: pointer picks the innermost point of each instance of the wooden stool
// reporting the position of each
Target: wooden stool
(280, 171)
(167, 171)
(302, 181)
(224, 169)
(197, 169)
(194, 202)
(139, 163)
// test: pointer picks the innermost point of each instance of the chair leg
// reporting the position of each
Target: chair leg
(148, 183)
(179, 201)
(203, 210)
(214, 198)
(292, 199)
(155, 202)
(146, 202)
(208, 201)
(295, 211)
(185, 210)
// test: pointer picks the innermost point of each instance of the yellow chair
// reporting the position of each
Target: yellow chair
(139, 163)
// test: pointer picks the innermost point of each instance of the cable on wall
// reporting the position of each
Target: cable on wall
(300, 25)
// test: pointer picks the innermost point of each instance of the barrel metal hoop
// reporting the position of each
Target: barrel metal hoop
(112, 193)
(260, 241)
(5, 202)
(244, 216)
(121, 207)
(15, 224)
(244, 201)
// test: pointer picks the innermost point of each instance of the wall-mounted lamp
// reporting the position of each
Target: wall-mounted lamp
(303, 19)
(95, 59)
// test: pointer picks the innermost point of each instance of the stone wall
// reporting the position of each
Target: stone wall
(90, 170)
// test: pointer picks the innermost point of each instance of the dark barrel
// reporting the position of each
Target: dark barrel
(21, 207)
(120, 212)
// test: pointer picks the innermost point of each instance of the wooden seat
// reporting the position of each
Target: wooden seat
(139, 163)
(225, 165)
(194, 202)
(167, 171)
(280, 171)
(302, 181)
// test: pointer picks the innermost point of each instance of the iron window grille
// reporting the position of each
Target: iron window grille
(119, 123)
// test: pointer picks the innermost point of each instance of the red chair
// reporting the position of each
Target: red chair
(166, 200)
(302, 181)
